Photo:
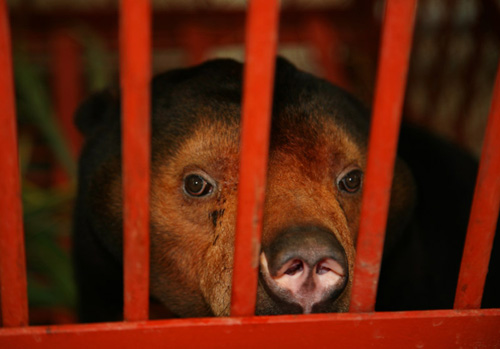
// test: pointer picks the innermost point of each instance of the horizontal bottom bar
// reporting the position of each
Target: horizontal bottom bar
(442, 328)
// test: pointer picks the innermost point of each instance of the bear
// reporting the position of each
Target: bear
(317, 158)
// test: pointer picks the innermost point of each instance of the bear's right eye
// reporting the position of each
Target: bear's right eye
(351, 182)
(196, 185)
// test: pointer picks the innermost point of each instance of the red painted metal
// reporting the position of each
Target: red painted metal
(67, 92)
(68, 83)
(12, 258)
(196, 43)
(484, 214)
(135, 68)
(391, 80)
(438, 329)
(327, 47)
(261, 41)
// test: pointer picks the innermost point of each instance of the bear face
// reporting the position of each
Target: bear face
(315, 173)
(201, 217)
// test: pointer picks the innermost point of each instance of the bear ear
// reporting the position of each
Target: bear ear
(94, 109)
(402, 204)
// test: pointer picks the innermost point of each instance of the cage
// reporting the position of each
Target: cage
(336, 49)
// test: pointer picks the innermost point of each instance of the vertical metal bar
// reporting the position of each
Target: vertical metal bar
(12, 257)
(389, 94)
(484, 214)
(67, 92)
(135, 70)
(261, 41)
(66, 70)
(324, 37)
(195, 42)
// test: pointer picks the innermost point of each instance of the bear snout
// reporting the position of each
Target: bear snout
(303, 269)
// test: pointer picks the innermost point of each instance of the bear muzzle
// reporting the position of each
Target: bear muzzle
(304, 269)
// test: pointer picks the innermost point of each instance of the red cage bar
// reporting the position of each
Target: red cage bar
(327, 43)
(14, 302)
(445, 328)
(66, 66)
(484, 214)
(438, 329)
(389, 95)
(67, 71)
(262, 28)
(135, 55)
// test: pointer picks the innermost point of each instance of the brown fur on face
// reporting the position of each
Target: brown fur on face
(191, 235)
(302, 191)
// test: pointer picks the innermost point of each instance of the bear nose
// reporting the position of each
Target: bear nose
(305, 266)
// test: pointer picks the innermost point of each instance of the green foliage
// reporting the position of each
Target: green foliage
(97, 63)
(47, 224)
(47, 211)
(34, 107)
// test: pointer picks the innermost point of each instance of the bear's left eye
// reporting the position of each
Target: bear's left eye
(196, 185)
(351, 182)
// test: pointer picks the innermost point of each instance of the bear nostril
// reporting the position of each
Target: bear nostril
(329, 265)
(297, 266)
(322, 269)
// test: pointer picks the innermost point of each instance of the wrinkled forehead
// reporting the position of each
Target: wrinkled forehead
(213, 145)
(317, 145)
